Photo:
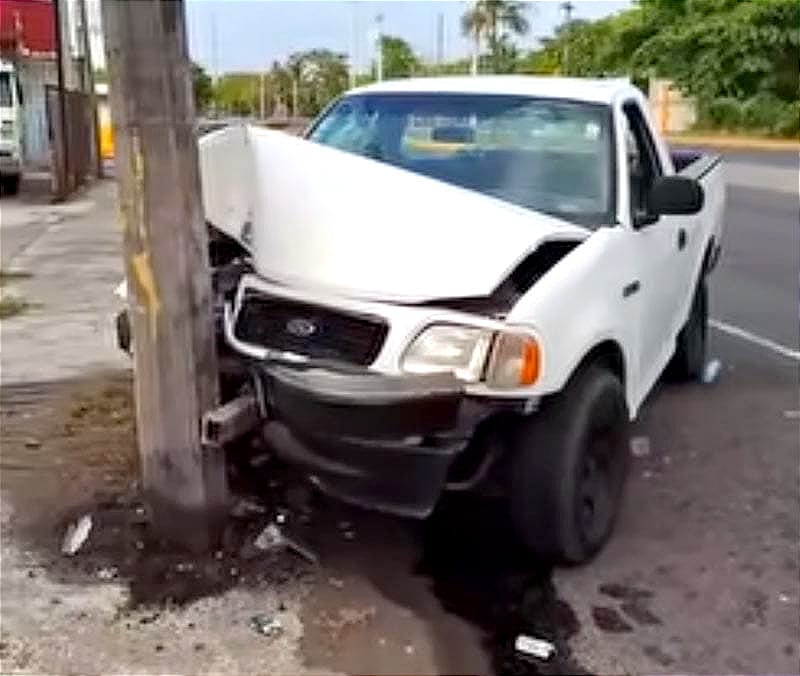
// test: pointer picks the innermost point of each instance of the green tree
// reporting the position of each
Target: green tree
(238, 93)
(399, 59)
(203, 87)
(496, 21)
(738, 58)
(319, 76)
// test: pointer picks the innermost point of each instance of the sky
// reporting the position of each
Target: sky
(247, 35)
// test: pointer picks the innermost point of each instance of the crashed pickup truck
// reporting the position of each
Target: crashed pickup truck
(463, 284)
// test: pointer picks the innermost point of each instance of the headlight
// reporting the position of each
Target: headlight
(515, 361)
(459, 350)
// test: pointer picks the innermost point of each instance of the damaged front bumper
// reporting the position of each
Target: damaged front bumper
(382, 442)
(385, 442)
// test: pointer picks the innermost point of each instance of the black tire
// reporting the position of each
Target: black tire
(690, 348)
(569, 469)
(11, 184)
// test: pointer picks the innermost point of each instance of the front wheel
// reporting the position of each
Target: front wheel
(569, 469)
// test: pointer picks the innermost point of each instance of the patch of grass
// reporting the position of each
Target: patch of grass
(11, 306)
(12, 275)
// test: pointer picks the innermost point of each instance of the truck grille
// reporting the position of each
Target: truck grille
(312, 330)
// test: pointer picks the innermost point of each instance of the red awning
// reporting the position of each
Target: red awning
(27, 28)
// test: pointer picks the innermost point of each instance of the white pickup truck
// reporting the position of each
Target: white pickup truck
(461, 283)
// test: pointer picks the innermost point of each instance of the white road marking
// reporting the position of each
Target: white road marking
(755, 339)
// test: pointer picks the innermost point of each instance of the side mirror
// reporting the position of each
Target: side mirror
(674, 196)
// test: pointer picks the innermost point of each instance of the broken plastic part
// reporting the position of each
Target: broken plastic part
(534, 647)
(76, 535)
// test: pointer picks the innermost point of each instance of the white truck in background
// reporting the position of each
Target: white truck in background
(459, 282)
(10, 128)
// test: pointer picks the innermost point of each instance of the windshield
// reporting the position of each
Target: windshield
(547, 155)
(5, 89)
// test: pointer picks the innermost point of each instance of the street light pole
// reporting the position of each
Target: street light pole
(567, 8)
(379, 47)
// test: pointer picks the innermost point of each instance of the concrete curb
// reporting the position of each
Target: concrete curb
(735, 142)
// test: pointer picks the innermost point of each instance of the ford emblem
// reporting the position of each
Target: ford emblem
(301, 328)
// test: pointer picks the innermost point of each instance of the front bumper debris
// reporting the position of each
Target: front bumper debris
(383, 442)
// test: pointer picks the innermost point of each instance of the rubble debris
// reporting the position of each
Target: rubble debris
(267, 626)
(260, 459)
(336, 583)
(140, 515)
(272, 538)
(108, 573)
(711, 371)
(534, 647)
(246, 507)
(76, 535)
(640, 447)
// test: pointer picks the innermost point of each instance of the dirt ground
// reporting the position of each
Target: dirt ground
(383, 588)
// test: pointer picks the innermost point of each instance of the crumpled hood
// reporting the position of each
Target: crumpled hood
(327, 219)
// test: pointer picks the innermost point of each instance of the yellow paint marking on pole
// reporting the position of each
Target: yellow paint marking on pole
(138, 183)
(143, 272)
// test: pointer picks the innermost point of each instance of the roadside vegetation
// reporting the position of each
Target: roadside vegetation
(737, 58)
(11, 305)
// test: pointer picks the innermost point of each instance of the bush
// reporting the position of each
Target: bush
(721, 113)
(763, 113)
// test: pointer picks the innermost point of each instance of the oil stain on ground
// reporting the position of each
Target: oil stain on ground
(480, 573)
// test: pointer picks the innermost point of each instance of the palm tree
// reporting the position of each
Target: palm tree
(495, 19)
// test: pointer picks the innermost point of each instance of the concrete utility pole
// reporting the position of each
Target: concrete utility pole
(567, 8)
(262, 92)
(166, 259)
(89, 65)
(379, 46)
(63, 187)
(439, 39)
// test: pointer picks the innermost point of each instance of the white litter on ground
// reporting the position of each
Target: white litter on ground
(640, 447)
(534, 647)
(76, 535)
(272, 538)
(711, 371)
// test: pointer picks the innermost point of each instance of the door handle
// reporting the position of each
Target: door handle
(681, 239)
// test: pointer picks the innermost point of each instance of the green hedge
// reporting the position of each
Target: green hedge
(761, 114)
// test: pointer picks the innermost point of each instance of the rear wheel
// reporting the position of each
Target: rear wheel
(11, 184)
(569, 469)
(690, 350)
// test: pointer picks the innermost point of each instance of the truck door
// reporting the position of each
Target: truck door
(656, 243)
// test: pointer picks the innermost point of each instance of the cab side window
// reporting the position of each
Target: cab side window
(643, 163)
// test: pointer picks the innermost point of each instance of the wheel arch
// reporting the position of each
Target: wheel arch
(609, 354)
